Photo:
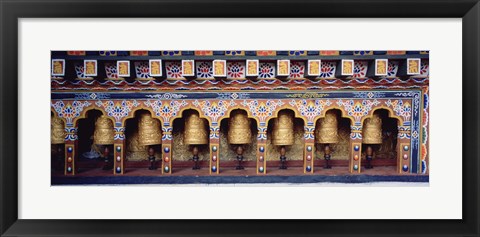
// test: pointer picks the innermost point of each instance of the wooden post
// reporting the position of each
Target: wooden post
(309, 140)
(167, 144)
(404, 150)
(214, 148)
(355, 149)
(261, 147)
(71, 142)
(119, 151)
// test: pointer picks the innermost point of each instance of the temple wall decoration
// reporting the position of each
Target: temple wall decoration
(380, 102)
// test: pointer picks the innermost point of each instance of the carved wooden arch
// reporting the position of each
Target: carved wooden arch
(249, 114)
(391, 114)
(140, 107)
(295, 112)
(343, 114)
(83, 114)
(199, 111)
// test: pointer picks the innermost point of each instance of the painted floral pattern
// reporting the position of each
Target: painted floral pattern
(392, 68)
(214, 110)
(297, 70)
(142, 70)
(360, 69)
(235, 70)
(357, 109)
(401, 108)
(204, 70)
(328, 69)
(174, 70)
(79, 70)
(267, 70)
(262, 109)
(111, 70)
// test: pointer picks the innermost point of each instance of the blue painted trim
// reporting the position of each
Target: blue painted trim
(284, 94)
(415, 128)
(346, 52)
(154, 53)
(188, 53)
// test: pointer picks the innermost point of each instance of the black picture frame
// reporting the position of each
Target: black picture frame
(11, 11)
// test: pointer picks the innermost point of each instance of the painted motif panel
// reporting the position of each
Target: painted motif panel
(328, 69)
(142, 70)
(204, 69)
(235, 69)
(174, 69)
(297, 70)
(266, 70)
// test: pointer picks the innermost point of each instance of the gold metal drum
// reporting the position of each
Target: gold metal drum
(283, 132)
(196, 130)
(57, 131)
(326, 131)
(372, 130)
(149, 131)
(104, 131)
(239, 128)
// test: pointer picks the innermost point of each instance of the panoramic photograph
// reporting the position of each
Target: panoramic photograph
(239, 117)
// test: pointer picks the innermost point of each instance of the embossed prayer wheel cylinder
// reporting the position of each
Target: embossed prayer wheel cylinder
(283, 132)
(57, 131)
(196, 132)
(104, 131)
(326, 131)
(372, 130)
(149, 131)
(239, 128)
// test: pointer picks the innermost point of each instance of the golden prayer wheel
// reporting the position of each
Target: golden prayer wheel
(239, 128)
(57, 131)
(282, 134)
(196, 132)
(149, 130)
(104, 131)
(372, 130)
(327, 129)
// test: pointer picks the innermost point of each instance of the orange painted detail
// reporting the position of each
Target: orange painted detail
(76, 53)
(203, 53)
(266, 53)
(396, 52)
(329, 52)
(424, 151)
(138, 53)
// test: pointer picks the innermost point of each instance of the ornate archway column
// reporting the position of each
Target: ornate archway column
(71, 149)
(214, 148)
(355, 148)
(119, 150)
(309, 141)
(403, 149)
(261, 148)
(71, 111)
(167, 152)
